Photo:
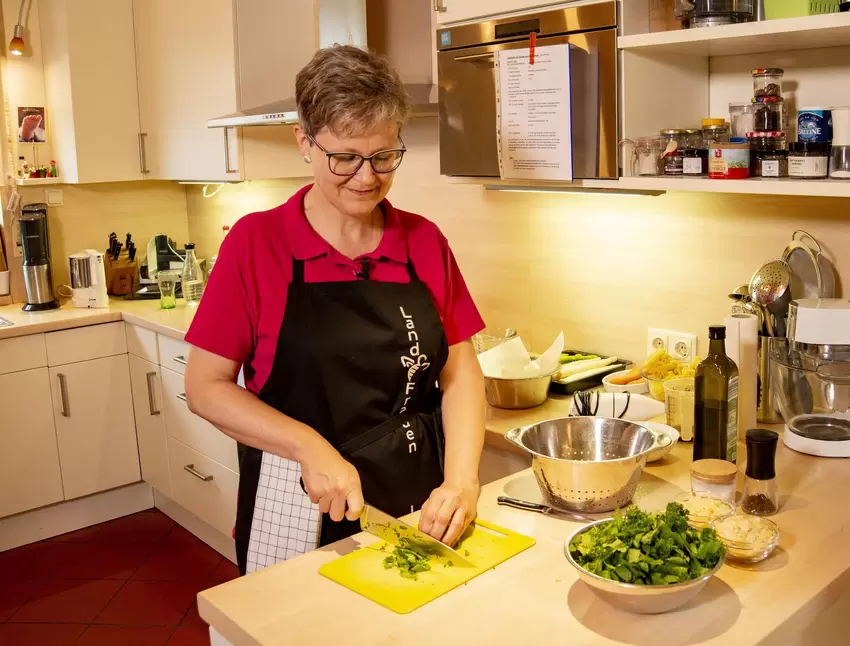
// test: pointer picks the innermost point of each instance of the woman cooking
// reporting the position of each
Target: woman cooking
(352, 322)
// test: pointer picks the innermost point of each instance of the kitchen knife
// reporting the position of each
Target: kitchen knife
(399, 533)
(542, 509)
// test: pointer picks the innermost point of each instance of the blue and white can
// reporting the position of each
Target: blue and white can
(814, 125)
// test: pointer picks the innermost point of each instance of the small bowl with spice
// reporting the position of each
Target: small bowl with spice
(748, 539)
(704, 510)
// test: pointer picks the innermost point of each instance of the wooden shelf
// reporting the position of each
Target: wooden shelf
(806, 32)
(757, 186)
(37, 181)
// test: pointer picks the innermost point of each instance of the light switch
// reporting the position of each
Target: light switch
(53, 197)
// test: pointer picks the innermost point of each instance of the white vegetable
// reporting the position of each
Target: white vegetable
(580, 367)
(583, 375)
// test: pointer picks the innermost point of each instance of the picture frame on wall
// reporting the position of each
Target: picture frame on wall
(32, 125)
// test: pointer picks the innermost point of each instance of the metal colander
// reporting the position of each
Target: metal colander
(586, 464)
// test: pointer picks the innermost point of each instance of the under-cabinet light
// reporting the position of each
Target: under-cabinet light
(217, 186)
(570, 189)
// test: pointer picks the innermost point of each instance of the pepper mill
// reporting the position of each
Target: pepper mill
(761, 494)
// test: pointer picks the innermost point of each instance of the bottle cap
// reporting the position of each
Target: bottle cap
(714, 471)
(189, 245)
(761, 454)
(713, 122)
(717, 332)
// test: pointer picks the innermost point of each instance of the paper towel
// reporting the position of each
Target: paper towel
(510, 360)
(742, 336)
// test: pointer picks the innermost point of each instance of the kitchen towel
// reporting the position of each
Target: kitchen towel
(742, 347)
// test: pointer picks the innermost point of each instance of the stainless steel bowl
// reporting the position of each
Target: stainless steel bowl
(641, 599)
(527, 392)
(586, 464)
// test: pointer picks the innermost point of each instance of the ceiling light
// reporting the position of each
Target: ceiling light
(17, 45)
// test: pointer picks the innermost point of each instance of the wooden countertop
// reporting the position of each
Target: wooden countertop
(145, 313)
(536, 597)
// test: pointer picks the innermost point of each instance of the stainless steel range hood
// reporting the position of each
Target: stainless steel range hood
(281, 113)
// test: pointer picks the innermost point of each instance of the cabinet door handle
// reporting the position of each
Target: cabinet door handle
(181, 360)
(227, 168)
(181, 396)
(143, 157)
(439, 7)
(200, 476)
(63, 391)
(476, 57)
(151, 399)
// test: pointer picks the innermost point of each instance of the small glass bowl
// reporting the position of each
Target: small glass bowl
(746, 551)
(655, 385)
(721, 509)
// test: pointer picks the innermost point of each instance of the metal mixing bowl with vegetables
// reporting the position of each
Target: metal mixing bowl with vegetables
(646, 563)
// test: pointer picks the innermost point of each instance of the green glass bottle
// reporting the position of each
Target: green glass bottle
(716, 392)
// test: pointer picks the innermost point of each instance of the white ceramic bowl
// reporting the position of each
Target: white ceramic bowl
(669, 431)
(638, 388)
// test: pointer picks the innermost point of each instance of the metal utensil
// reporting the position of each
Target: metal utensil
(812, 274)
(516, 503)
(399, 533)
(770, 287)
(586, 464)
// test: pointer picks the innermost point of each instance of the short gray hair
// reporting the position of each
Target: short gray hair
(349, 91)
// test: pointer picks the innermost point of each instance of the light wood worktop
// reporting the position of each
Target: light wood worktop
(536, 597)
(145, 313)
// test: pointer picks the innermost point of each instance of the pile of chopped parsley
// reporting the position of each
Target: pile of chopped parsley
(408, 562)
(648, 549)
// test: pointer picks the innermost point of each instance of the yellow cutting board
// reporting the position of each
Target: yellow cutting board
(363, 570)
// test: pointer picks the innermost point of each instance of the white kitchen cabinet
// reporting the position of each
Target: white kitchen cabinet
(96, 432)
(150, 423)
(29, 459)
(90, 89)
(450, 11)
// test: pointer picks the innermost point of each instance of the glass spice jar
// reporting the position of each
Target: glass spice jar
(761, 142)
(692, 138)
(772, 163)
(808, 160)
(715, 479)
(769, 114)
(761, 493)
(715, 134)
(767, 81)
(647, 155)
(673, 160)
(695, 161)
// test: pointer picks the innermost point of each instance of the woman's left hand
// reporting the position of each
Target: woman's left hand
(449, 510)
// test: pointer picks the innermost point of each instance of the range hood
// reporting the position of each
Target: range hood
(281, 113)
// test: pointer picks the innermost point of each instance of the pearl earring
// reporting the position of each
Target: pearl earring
(307, 159)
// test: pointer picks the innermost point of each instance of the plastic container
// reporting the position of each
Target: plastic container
(714, 478)
(747, 539)
(192, 277)
(729, 161)
(814, 124)
(741, 118)
(808, 160)
(767, 81)
(680, 402)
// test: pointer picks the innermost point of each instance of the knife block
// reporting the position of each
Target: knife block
(120, 274)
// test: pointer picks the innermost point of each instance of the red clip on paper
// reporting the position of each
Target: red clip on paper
(532, 45)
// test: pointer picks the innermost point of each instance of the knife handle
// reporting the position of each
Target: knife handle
(522, 504)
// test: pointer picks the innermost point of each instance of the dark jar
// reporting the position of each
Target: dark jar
(808, 160)
(695, 162)
(768, 115)
(763, 142)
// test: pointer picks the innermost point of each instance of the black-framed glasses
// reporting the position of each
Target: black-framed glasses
(348, 164)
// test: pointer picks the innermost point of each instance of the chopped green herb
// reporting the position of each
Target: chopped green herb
(648, 549)
(449, 564)
(408, 562)
(466, 552)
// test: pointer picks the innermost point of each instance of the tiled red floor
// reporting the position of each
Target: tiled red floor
(128, 582)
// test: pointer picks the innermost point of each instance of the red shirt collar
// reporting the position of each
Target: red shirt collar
(306, 243)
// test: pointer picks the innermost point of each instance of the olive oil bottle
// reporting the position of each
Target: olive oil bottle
(716, 394)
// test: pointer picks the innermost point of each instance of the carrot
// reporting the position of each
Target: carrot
(628, 378)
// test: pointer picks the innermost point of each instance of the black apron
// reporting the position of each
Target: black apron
(358, 361)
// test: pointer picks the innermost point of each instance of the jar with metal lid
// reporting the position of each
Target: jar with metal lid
(808, 160)
(761, 142)
(714, 134)
(714, 478)
(695, 161)
(647, 155)
(672, 156)
(692, 138)
(767, 81)
(769, 114)
(771, 164)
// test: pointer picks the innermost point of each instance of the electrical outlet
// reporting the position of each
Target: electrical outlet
(679, 345)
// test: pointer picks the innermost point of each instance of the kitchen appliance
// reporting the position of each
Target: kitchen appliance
(396, 532)
(811, 370)
(88, 279)
(713, 13)
(35, 241)
(161, 255)
(467, 86)
(363, 570)
(586, 464)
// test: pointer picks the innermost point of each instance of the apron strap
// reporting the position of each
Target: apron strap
(411, 271)
(354, 445)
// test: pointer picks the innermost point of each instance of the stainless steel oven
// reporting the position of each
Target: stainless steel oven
(467, 87)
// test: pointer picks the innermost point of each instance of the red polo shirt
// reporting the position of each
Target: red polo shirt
(240, 315)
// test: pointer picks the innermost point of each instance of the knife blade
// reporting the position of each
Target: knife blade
(399, 533)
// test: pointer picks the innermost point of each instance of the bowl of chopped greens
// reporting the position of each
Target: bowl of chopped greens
(645, 563)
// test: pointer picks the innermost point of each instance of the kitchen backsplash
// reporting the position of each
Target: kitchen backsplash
(92, 211)
(603, 268)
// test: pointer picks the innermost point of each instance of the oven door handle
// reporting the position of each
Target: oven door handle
(476, 57)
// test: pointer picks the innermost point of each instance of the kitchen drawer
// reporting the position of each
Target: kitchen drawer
(22, 353)
(209, 490)
(173, 354)
(85, 343)
(142, 343)
(196, 432)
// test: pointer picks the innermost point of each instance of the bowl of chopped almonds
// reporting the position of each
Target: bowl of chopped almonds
(747, 539)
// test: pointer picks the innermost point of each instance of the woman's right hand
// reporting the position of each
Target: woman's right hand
(331, 482)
